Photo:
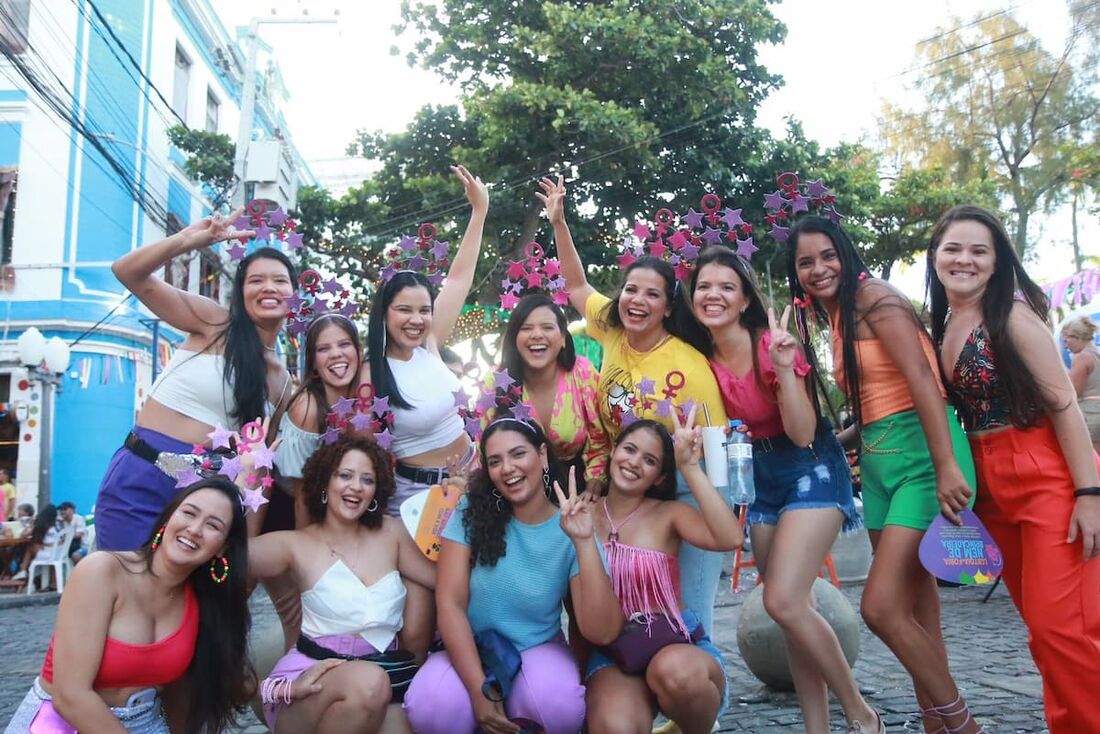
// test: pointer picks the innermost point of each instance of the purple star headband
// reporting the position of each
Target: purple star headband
(365, 412)
(500, 397)
(309, 302)
(534, 271)
(793, 197)
(678, 239)
(271, 225)
(421, 254)
(627, 407)
(250, 441)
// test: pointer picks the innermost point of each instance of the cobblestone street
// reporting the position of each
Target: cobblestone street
(987, 644)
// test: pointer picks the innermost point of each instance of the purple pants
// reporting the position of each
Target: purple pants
(547, 690)
(132, 494)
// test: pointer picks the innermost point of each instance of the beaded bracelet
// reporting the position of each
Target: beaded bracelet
(272, 688)
(1087, 492)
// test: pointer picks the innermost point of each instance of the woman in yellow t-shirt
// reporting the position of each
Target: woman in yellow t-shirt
(648, 371)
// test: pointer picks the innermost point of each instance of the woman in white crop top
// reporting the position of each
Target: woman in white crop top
(349, 568)
(225, 369)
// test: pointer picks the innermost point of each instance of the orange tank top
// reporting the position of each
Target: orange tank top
(883, 390)
(145, 666)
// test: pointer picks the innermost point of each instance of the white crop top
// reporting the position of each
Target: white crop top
(432, 422)
(340, 604)
(194, 384)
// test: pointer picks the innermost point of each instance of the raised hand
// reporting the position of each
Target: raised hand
(216, 228)
(783, 346)
(457, 473)
(687, 440)
(553, 198)
(576, 515)
(477, 193)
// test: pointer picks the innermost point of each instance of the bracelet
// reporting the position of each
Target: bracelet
(1087, 492)
(272, 688)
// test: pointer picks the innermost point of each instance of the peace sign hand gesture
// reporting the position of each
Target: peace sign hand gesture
(687, 441)
(783, 347)
(576, 515)
(553, 198)
(216, 228)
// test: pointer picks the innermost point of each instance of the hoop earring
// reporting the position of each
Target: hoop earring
(158, 538)
(499, 496)
(373, 506)
(324, 496)
(216, 577)
(546, 480)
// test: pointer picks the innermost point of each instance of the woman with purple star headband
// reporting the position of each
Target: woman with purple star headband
(225, 373)
(648, 370)
(915, 460)
(803, 487)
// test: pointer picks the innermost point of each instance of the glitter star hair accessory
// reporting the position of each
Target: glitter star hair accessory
(498, 397)
(793, 197)
(535, 271)
(317, 297)
(679, 238)
(249, 442)
(365, 412)
(272, 226)
(421, 254)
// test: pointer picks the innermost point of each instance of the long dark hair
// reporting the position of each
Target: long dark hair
(666, 488)
(245, 365)
(679, 321)
(380, 373)
(487, 515)
(43, 521)
(852, 272)
(755, 316)
(510, 357)
(323, 463)
(1009, 283)
(311, 382)
(220, 679)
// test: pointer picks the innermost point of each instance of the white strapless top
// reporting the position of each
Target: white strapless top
(340, 604)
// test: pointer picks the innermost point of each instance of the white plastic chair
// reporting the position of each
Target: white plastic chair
(58, 560)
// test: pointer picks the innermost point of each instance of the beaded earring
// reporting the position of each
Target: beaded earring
(158, 538)
(219, 578)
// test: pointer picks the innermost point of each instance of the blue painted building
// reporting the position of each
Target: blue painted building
(88, 90)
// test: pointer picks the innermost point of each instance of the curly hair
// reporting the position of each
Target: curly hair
(487, 515)
(665, 489)
(322, 465)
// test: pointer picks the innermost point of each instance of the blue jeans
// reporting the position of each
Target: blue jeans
(142, 714)
(700, 570)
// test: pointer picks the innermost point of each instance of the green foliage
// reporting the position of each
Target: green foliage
(1001, 107)
(209, 161)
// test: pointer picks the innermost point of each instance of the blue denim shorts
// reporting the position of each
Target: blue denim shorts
(790, 477)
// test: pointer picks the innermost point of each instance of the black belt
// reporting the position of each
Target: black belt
(139, 448)
(400, 665)
(420, 475)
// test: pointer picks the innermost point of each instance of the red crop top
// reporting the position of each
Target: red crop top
(144, 666)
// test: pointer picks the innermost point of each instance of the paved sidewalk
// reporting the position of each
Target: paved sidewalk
(987, 644)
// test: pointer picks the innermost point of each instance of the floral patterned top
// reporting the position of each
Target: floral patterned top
(975, 387)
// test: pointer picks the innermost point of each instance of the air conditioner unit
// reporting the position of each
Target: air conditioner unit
(270, 168)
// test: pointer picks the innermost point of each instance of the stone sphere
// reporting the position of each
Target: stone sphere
(761, 642)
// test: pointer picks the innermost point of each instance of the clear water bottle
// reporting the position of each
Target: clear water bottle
(739, 464)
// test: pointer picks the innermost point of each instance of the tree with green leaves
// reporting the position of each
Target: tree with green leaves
(209, 161)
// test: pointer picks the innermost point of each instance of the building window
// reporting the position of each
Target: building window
(182, 83)
(210, 276)
(212, 109)
(177, 272)
(8, 178)
(14, 23)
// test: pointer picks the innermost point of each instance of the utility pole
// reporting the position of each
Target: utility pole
(248, 95)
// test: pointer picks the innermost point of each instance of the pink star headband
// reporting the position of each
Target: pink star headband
(250, 441)
(678, 239)
(365, 412)
(421, 254)
(310, 301)
(793, 197)
(271, 224)
(535, 271)
(501, 397)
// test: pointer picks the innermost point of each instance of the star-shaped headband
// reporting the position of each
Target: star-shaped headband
(421, 254)
(793, 197)
(628, 406)
(534, 271)
(678, 239)
(499, 397)
(271, 224)
(310, 301)
(250, 441)
(365, 412)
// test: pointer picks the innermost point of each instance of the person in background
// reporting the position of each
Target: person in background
(1084, 372)
(70, 518)
(43, 537)
(8, 490)
(24, 513)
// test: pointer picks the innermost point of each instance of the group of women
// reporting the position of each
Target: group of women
(594, 504)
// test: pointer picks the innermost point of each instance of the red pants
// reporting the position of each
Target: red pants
(1025, 498)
